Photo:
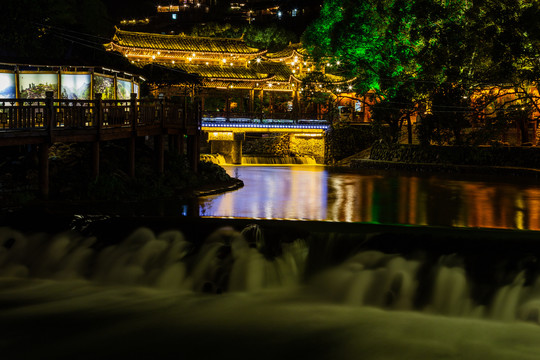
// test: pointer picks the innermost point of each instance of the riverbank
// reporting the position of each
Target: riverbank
(505, 161)
(73, 187)
(443, 168)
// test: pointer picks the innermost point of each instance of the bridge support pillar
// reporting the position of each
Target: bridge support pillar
(44, 170)
(236, 148)
(236, 152)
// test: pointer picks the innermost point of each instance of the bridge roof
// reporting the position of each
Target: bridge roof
(254, 72)
(152, 41)
(290, 51)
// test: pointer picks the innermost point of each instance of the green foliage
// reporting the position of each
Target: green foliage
(450, 115)
(344, 141)
(271, 38)
(416, 48)
(213, 29)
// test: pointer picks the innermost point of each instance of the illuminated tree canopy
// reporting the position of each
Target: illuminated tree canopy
(408, 52)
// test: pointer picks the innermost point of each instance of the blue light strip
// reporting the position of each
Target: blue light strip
(263, 126)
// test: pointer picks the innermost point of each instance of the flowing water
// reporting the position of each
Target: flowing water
(239, 295)
(315, 193)
(262, 160)
(259, 293)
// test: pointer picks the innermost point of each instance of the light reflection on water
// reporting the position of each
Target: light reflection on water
(314, 193)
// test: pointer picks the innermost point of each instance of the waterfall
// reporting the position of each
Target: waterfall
(278, 160)
(245, 294)
(262, 160)
(214, 158)
(229, 260)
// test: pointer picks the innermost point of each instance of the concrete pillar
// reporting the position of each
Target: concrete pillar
(236, 147)
(236, 152)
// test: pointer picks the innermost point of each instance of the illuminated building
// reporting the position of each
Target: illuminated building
(229, 68)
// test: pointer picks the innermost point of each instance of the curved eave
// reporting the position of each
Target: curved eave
(123, 48)
(182, 43)
(285, 57)
(341, 82)
(215, 78)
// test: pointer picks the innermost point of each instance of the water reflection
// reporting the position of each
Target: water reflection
(314, 193)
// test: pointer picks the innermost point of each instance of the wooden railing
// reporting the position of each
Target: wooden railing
(263, 116)
(52, 115)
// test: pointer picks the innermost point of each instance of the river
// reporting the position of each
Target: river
(268, 293)
(305, 192)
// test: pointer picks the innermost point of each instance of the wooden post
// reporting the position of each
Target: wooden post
(160, 153)
(131, 160)
(251, 103)
(193, 151)
(203, 98)
(296, 111)
(261, 101)
(158, 140)
(95, 159)
(271, 104)
(99, 127)
(228, 106)
(99, 113)
(180, 144)
(132, 140)
(44, 170)
(51, 114)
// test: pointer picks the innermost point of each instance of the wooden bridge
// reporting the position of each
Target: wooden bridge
(48, 120)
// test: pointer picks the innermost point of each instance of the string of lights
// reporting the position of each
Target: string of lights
(68, 35)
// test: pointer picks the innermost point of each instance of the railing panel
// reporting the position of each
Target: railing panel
(64, 114)
(266, 117)
(31, 114)
(149, 114)
(75, 114)
(116, 113)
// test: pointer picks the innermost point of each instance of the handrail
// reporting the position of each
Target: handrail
(98, 114)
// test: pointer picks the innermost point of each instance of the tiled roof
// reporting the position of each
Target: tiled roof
(255, 71)
(224, 71)
(219, 71)
(290, 51)
(182, 43)
(281, 71)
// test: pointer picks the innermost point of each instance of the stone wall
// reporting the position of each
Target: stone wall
(284, 145)
(510, 156)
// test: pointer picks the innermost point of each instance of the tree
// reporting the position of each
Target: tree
(425, 45)
(271, 38)
(371, 41)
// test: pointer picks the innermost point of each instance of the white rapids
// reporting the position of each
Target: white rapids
(158, 296)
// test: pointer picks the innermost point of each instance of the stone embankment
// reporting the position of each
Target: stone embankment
(512, 161)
